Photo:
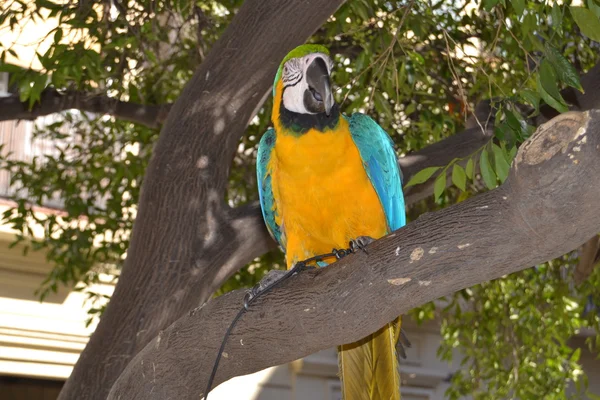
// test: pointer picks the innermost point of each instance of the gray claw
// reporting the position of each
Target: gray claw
(403, 343)
(360, 243)
(404, 339)
(400, 350)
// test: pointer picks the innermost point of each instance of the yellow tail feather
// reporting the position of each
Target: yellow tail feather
(369, 367)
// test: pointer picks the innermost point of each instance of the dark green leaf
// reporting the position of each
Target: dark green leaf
(529, 24)
(10, 68)
(47, 4)
(548, 88)
(58, 35)
(489, 4)
(531, 97)
(566, 72)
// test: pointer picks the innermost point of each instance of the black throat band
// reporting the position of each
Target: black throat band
(302, 123)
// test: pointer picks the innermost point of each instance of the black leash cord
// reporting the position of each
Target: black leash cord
(216, 365)
(255, 293)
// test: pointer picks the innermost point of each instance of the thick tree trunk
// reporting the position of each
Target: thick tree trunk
(184, 233)
(546, 207)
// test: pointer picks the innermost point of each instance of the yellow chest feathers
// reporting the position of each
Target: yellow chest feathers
(323, 195)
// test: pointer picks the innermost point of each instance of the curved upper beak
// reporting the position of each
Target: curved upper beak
(317, 77)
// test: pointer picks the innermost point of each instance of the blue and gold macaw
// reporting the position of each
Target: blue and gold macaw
(325, 180)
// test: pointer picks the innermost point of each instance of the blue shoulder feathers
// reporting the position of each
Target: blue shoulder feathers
(379, 159)
(265, 190)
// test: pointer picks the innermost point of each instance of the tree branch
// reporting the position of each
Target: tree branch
(589, 258)
(547, 207)
(53, 101)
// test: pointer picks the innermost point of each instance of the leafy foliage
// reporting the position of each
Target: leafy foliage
(419, 67)
(513, 333)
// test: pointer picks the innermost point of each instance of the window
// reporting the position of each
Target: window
(18, 140)
(335, 390)
(4, 84)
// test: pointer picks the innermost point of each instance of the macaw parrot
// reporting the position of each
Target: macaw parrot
(324, 180)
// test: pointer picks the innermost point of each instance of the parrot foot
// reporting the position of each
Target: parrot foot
(403, 343)
(303, 265)
(270, 278)
(360, 243)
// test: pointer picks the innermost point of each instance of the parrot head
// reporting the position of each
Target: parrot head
(302, 90)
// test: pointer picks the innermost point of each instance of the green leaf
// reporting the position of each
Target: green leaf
(489, 4)
(58, 35)
(592, 396)
(557, 17)
(531, 97)
(512, 152)
(592, 5)
(47, 4)
(459, 177)
(24, 90)
(519, 6)
(587, 21)
(551, 101)
(469, 168)
(529, 24)
(514, 120)
(10, 68)
(548, 89)
(500, 163)
(422, 176)
(439, 185)
(382, 105)
(576, 354)
(566, 72)
(486, 170)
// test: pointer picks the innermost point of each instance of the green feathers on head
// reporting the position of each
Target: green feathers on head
(299, 51)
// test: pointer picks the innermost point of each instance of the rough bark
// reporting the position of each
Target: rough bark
(53, 101)
(183, 231)
(546, 207)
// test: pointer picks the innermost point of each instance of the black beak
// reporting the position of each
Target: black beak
(319, 85)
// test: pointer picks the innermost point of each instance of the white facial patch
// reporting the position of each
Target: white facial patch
(294, 81)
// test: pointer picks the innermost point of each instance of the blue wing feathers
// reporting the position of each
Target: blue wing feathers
(379, 159)
(265, 189)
